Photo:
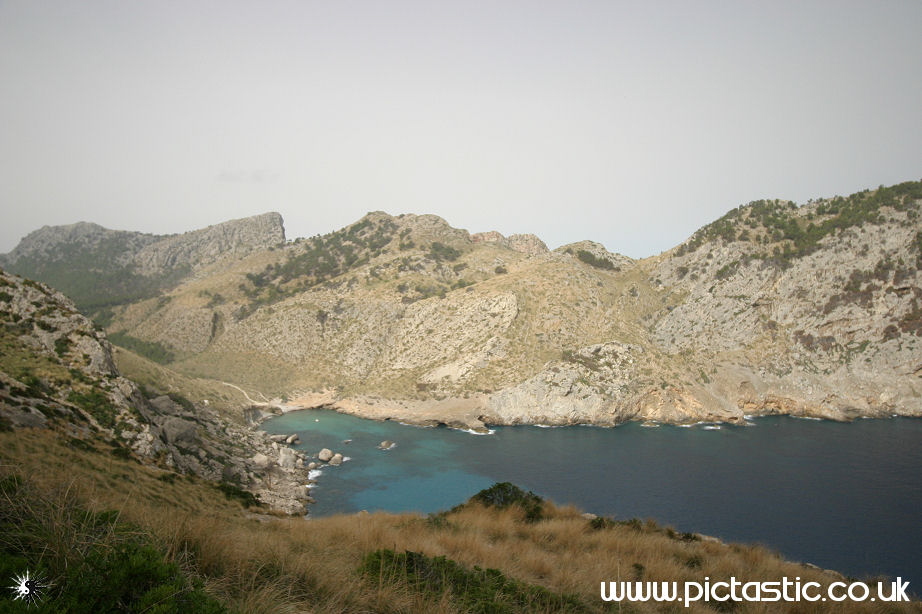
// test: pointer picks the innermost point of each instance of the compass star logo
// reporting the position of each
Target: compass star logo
(28, 589)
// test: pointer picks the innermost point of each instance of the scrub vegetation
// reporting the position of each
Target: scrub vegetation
(787, 235)
(101, 527)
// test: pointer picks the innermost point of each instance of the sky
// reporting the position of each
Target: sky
(627, 123)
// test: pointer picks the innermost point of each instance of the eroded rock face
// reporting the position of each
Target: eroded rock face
(198, 248)
(77, 390)
(525, 243)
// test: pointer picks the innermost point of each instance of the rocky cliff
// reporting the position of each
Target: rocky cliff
(775, 308)
(57, 372)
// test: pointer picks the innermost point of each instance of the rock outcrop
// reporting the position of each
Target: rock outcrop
(57, 372)
(200, 248)
(525, 243)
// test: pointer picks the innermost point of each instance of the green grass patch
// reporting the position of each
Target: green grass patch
(97, 404)
(150, 350)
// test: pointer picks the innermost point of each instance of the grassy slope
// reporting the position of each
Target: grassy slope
(292, 565)
(155, 377)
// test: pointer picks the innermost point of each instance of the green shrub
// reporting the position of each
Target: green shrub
(233, 492)
(42, 324)
(61, 345)
(440, 252)
(600, 523)
(476, 590)
(90, 562)
(506, 494)
(182, 401)
(727, 270)
(590, 259)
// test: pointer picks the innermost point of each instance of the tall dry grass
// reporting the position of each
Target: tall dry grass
(256, 563)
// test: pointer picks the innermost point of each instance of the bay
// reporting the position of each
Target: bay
(841, 496)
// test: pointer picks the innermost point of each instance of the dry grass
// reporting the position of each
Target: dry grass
(226, 399)
(264, 564)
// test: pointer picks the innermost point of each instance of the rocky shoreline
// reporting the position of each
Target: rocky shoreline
(287, 473)
(478, 413)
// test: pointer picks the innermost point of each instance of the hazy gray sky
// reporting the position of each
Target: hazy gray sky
(629, 123)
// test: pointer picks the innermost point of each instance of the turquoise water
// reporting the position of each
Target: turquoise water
(843, 496)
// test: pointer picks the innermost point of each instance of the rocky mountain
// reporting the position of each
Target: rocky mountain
(57, 372)
(98, 267)
(775, 308)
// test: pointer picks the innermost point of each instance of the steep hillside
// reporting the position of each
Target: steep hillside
(810, 310)
(57, 374)
(114, 536)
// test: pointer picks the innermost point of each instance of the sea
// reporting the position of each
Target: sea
(843, 496)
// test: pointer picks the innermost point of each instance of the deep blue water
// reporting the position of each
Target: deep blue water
(842, 496)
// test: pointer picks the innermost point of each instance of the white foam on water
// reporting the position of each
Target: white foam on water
(473, 432)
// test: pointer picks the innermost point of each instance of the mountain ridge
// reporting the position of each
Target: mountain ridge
(98, 267)
(772, 308)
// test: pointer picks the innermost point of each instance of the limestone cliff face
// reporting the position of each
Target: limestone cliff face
(774, 308)
(811, 311)
(199, 248)
(525, 243)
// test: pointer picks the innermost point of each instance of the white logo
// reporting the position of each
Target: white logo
(28, 589)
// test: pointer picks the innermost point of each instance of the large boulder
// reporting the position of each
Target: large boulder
(177, 430)
(166, 406)
(288, 458)
(325, 455)
(261, 461)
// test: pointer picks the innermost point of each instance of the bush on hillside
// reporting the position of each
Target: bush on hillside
(505, 494)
